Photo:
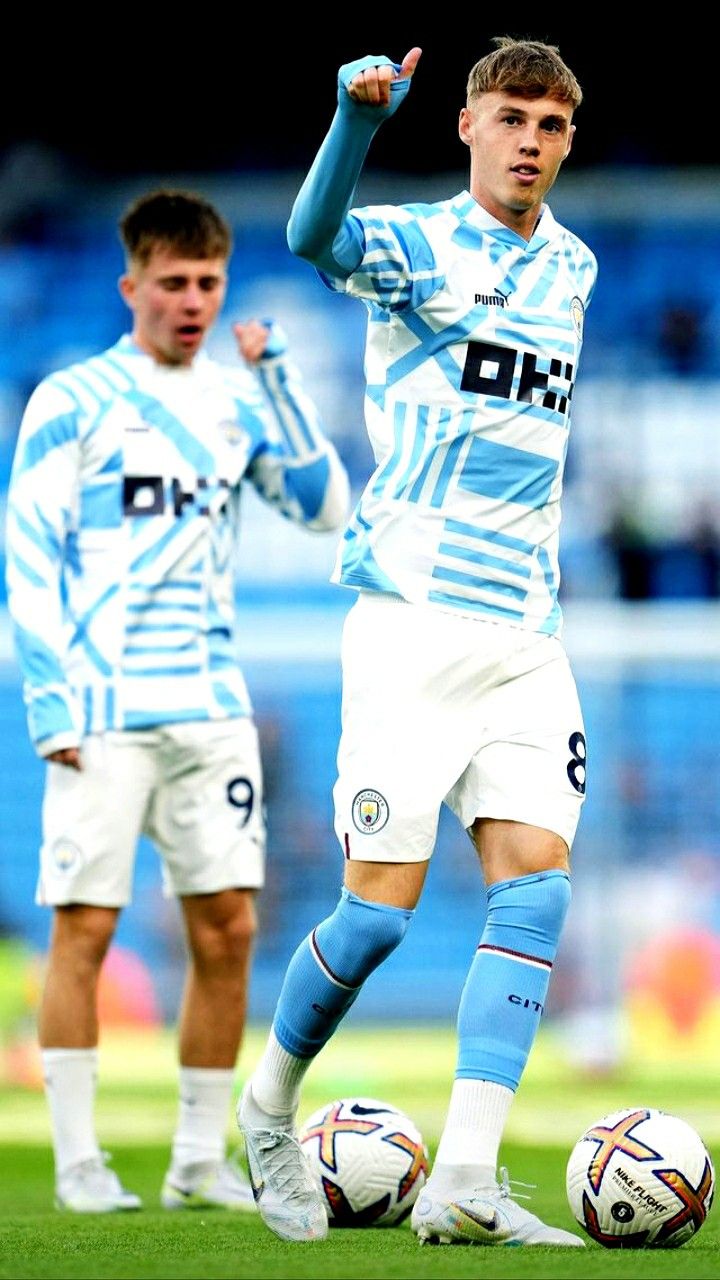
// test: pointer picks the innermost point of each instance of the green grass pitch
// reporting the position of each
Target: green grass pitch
(410, 1068)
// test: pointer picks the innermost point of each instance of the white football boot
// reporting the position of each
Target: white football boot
(208, 1184)
(286, 1196)
(90, 1187)
(482, 1215)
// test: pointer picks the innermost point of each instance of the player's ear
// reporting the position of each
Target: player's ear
(126, 287)
(465, 125)
(571, 135)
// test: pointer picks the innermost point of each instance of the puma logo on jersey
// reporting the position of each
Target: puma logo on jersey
(494, 299)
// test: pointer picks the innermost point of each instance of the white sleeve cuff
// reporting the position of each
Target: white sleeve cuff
(57, 742)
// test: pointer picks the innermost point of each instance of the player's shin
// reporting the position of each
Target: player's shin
(70, 1077)
(500, 1010)
(322, 981)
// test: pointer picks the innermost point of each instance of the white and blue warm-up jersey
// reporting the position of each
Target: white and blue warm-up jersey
(122, 522)
(474, 336)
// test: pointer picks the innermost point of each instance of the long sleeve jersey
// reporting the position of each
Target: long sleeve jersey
(123, 514)
(473, 341)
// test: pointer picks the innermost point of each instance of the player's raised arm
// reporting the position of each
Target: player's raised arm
(370, 90)
(296, 468)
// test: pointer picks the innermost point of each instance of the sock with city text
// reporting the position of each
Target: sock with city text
(500, 1010)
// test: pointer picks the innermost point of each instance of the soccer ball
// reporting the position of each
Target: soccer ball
(640, 1179)
(368, 1159)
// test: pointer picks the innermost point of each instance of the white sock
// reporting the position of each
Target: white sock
(70, 1082)
(204, 1105)
(277, 1079)
(468, 1150)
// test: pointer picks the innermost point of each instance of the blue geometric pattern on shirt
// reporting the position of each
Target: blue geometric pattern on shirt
(152, 411)
(82, 624)
(127, 473)
(551, 623)
(49, 714)
(433, 345)
(450, 454)
(471, 604)
(421, 427)
(26, 571)
(444, 419)
(467, 403)
(307, 484)
(459, 557)
(512, 475)
(526, 338)
(473, 556)
(112, 464)
(276, 377)
(101, 507)
(490, 535)
(475, 580)
(399, 243)
(51, 436)
(385, 472)
(158, 547)
(359, 560)
(37, 658)
(120, 373)
(44, 538)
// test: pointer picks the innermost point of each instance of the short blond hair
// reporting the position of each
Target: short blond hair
(526, 68)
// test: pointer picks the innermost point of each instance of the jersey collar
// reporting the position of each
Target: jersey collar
(126, 347)
(467, 208)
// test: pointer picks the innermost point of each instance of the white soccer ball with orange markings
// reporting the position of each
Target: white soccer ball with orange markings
(368, 1159)
(640, 1179)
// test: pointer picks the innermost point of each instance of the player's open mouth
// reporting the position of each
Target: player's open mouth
(525, 172)
(190, 331)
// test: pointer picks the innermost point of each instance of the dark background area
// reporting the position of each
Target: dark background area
(199, 91)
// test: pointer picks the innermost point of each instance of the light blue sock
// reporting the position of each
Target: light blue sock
(505, 990)
(329, 967)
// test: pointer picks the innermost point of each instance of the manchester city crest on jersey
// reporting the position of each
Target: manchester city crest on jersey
(232, 432)
(577, 311)
(370, 811)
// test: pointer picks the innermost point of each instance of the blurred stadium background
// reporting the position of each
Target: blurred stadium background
(638, 976)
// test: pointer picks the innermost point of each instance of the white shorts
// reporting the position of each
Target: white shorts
(440, 707)
(194, 788)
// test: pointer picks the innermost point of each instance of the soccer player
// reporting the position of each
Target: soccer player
(123, 516)
(456, 686)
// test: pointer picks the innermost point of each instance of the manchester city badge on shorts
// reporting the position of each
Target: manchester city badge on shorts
(577, 311)
(370, 812)
(66, 856)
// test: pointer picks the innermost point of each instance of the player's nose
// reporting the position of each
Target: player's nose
(192, 299)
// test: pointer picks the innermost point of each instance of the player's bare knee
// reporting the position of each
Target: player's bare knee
(238, 934)
(229, 912)
(395, 884)
(508, 850)
(225, 938)
(83, 934)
